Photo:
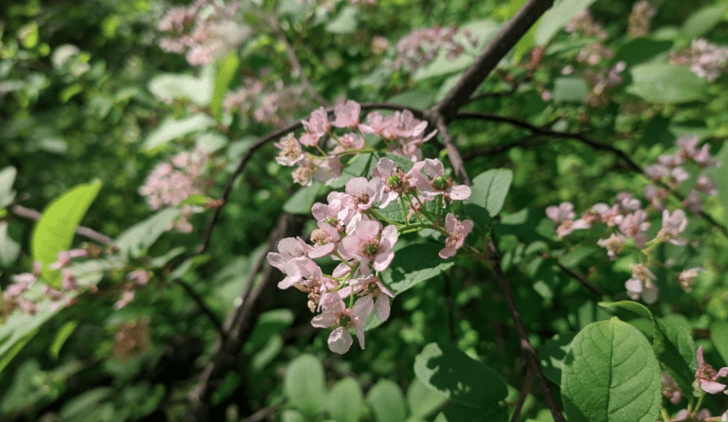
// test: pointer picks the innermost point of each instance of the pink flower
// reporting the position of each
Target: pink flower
(634, 225)
(337, 315)
(614, 245)
(458, 232)
(291, 152)
(318, 123)
(564, 214)
(706, 377)
(347, 115)
(692, 202)
(65, 257)
(670, 388)
(687, 277)
(373, 287)
(370, 244)
(393, 181)
(640, 285)
(434, 182)
(706, 185)
(140, 276)
(672, 226)
(362, 192)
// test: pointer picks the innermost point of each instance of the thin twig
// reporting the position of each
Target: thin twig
(512, 90)
(525, 142)
(581, 279)
(550, 132)
(522, 396)
(202, 305)
(297, 65)
(532, 359)
(506, 39)
(86, 232)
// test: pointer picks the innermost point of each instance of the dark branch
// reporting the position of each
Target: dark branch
(532, 359)
(202, 305)
(526, 142)
(460, 94)
(452, 152)
(522, 396)
(581, 279)
(550, 132)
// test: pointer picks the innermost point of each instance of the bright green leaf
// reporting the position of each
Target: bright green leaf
(570, 89)
(451, 372)
(489, 190)
(345, 22)
(225, 72)
(423, 400)
(387, 402)
(664, 83)
(304, 384)
(54, 231)
(302, 201)
(61, 337)
(170, 86)
(345, 401)
(611, 375)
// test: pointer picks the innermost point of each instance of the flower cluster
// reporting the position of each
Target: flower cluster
(705, 59)
(204, 30)
(13, 296)
(349, 226)
(630, 223)
(640, 18)
(171, 182)
(422, 45)
(402, 133)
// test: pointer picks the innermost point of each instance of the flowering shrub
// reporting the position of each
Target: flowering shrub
(493, 200)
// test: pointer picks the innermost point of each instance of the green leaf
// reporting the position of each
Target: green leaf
(172, 129)
(61, 338)
(423, 401)
(678, 353)
(611, 375)
(304, 384)
(556, 18)
(29, 35)
(570, 89)
(641, 50)
(702, 21)
(137, 238)
(719, 336)
(345, 22)
(55, 230)
(302, 201)
(170, 86)
(197, 199)
(553, 354)
(663, 83)
(414, 264)
(226, 69)
(489, 190)
(451, 372)
(7, 178)
(387, 402)
(345, 401)
(418, 97)
(360, 166)
(9, 248)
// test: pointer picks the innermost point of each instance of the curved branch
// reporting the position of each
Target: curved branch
(452, 152)
(460, 94)
(550, 132)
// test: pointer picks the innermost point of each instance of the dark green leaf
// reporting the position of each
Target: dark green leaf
(489, 190)
(414, 264)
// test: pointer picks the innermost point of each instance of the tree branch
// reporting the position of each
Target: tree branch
(460, 94)
(581, 279)
(86, 232)
(532, 359)
(452, 152)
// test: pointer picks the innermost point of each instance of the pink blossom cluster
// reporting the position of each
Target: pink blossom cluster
(204, 30)
(137, 278)
(403, 134)
(583, 23)
(421, 46)
(640, 18)
(629, 222)
(13, 295)
(705, 59)
(276, 105)
(349, 230)
(171, 182)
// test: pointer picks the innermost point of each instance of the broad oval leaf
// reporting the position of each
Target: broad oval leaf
(555, 18)
(55, 230)
(345, 401)
(172, 129)
(304, 384)
(448, 370)
(137, 238)
(664, 83)
(387, 402)
(489, 190)
(170, 86)
(423, 400)
(611, 375)
(414, 264)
